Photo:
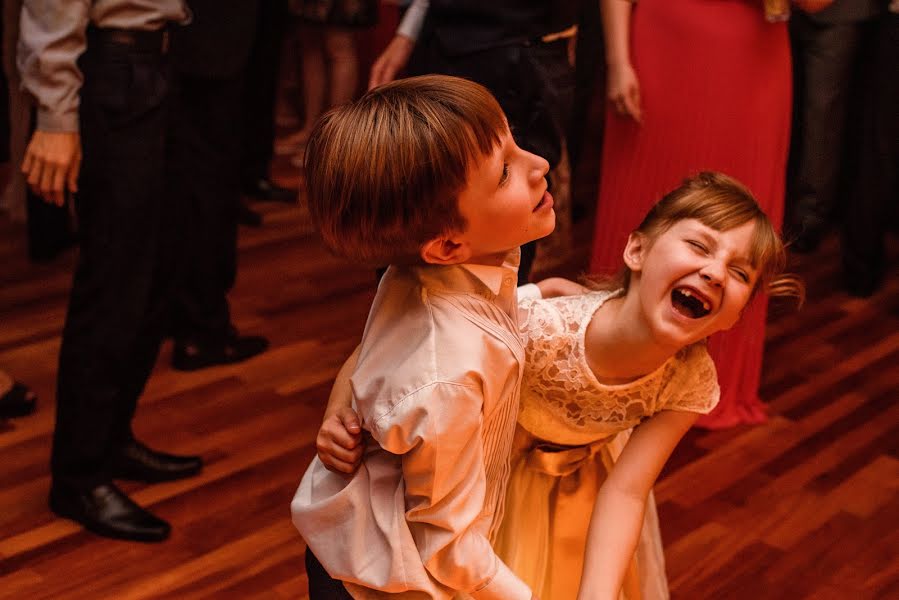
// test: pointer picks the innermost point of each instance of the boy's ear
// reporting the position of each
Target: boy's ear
(635, 251)
(445, 250)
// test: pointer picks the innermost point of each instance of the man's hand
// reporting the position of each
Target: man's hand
(339, 441)
(392, 60)
(51, 165)
(812, 6)
(558, 286)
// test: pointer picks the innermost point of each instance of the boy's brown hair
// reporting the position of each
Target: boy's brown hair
(383, 173)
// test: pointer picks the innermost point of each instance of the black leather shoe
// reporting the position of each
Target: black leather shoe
(108, 511)
(190, 355)
(17, 402)
(266, 189)
(139, 463)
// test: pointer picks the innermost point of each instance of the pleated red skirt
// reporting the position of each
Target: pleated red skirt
(715, 83)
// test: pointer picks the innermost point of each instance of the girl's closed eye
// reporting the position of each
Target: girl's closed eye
(740, 274)
(698, 246)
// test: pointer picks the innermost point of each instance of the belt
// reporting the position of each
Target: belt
(145, 41)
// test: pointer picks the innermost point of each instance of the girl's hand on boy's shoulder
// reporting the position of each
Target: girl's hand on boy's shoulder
(339, 441)
(559, 286)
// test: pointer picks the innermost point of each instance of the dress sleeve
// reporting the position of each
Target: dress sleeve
(693, 386)
(52, 37)
(438, 432)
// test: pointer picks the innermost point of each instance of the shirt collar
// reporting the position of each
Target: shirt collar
(496, 283)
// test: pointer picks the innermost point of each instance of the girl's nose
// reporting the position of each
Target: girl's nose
(712, 274)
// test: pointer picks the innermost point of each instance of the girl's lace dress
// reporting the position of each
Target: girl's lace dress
(572, 428)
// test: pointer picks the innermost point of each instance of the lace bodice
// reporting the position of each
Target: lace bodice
(562, 401)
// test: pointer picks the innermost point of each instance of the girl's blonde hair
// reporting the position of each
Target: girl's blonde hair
(720, 202)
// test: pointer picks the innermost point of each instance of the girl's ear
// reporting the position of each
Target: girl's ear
(445, 250)
(635, 251)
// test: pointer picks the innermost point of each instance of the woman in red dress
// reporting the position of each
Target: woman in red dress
(695, 85)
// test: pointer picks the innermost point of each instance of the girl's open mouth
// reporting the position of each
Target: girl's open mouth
(690, 303)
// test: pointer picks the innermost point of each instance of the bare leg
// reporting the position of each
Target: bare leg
(340, 46)
(311, 44)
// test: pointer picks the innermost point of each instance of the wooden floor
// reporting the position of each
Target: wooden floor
(805, 506)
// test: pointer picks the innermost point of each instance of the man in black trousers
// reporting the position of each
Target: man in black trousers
(100, 75)
(210, 58)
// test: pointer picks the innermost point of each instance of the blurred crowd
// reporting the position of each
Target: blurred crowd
(144, 132)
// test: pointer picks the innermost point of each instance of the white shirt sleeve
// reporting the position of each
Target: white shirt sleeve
(414, 19)
(437, 433)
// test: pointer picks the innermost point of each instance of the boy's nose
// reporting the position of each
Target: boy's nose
(540, 167)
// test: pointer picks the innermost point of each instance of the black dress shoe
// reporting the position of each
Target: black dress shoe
(137, 462)
(108, 511)
(265, 189)
(17, 402)
(190, 355)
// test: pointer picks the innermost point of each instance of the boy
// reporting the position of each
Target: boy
(423, 174)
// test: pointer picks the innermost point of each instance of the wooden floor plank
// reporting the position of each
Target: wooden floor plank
(804, 506)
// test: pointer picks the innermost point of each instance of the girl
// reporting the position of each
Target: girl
(598, 365)
(684, 83)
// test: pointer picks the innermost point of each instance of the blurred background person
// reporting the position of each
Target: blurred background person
(872, 208)
(258, 114)
(210, 57)
(827, 47)
(325, 38)
(100, 77)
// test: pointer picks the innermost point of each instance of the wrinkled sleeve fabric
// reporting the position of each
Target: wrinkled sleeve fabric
(438, 432)
(53, 34)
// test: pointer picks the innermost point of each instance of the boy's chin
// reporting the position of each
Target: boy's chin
(548, 229)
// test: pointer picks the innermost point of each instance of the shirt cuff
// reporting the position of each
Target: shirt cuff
(529, 291)
(504, 586)
(413, 20)
(57, 123)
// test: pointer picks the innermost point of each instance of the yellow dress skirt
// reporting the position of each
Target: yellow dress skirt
(549, 501)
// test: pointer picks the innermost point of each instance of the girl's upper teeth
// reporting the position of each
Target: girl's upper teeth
(705, 303)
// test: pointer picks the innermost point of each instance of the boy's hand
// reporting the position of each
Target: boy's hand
(339, 441)
(558, 286)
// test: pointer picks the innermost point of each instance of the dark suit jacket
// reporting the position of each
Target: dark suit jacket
(848, 11)
(217, 42)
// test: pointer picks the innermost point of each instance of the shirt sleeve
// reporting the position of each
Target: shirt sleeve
(414, 19)
(437, 430)
(53, 34)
